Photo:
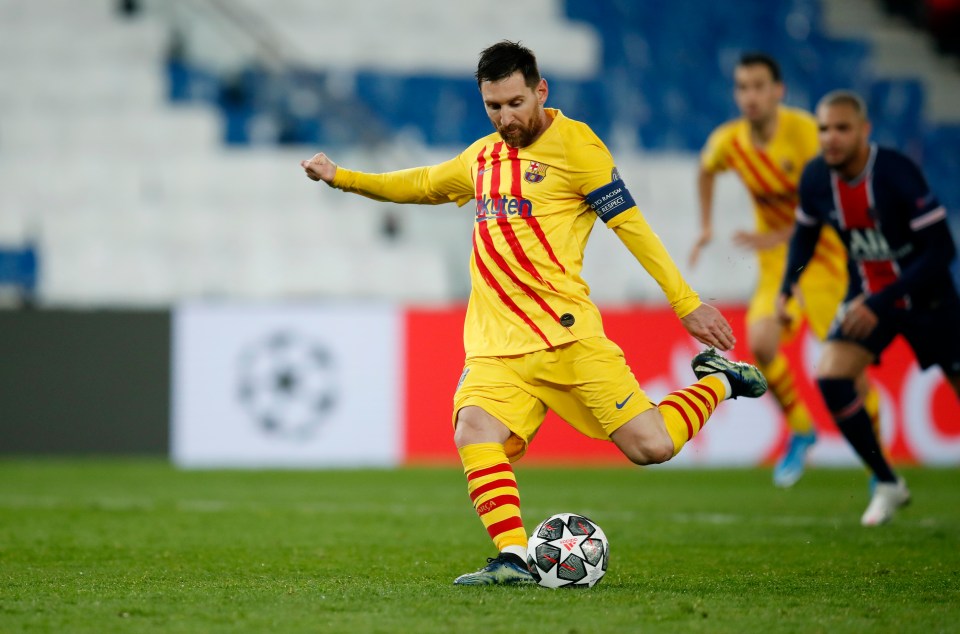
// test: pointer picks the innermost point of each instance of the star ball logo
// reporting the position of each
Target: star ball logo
(286, 383)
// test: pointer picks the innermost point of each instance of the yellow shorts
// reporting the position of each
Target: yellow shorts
(821, 291)
(586, 382)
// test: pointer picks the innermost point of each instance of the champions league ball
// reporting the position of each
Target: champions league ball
(568, 551)
(287, 385)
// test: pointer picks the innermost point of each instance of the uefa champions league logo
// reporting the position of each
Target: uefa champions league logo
(287, 384)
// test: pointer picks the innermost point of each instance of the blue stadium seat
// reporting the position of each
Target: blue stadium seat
(19, 269)
(896, 110)
(666, 73)
(941, 163)
(187, 83)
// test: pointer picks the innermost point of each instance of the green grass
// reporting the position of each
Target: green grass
(136, 546)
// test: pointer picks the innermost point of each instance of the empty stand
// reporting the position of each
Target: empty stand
(154, 158)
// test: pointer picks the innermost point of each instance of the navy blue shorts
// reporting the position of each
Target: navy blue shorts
(933, 334)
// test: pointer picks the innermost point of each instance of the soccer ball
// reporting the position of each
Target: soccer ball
(568, 551)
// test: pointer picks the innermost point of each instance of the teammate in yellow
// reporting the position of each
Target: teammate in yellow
(533, 338)
(768, 148)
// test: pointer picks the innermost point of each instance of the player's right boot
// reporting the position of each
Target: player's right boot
(887, 498)
(745, 379)
(790, 468)
(504, 569)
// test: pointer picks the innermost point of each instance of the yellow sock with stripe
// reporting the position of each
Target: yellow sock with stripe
(493, 489)
(871, 403)
(686, 411)
(781, 383)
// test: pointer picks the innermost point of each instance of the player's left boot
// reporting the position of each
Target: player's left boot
(887, 498)
(745, 379)
(504, 569)
(791, 466)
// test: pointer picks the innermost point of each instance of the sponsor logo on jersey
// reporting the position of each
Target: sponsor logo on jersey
(871, 245)
(504, 207)
(620, 404)
(535, 173)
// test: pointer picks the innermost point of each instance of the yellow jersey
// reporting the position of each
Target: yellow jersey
(771, 175)
(534, 210)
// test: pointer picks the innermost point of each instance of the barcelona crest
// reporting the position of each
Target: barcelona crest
(535, 173)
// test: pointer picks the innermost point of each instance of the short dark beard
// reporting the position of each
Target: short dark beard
(523, 136)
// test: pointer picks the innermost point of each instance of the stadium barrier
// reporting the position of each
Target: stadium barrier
(84, 382)
(348, 385)
(357, 385)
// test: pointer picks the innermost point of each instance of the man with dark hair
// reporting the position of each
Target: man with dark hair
(768, 147)
(756, 58)
(533, 338)
(899, 253)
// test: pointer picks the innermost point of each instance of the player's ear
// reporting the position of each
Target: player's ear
(542, 91)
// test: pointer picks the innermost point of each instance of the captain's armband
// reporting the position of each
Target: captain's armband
(611, 200)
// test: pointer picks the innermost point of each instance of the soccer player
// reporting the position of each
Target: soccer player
(899, 253)
(768, 147)
(533, 339)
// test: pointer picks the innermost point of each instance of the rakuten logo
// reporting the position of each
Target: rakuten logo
(488, 208)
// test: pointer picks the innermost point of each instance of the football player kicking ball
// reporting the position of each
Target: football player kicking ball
(533, 339)
(899, 251)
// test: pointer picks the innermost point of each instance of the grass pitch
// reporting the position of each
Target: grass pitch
(136, 546)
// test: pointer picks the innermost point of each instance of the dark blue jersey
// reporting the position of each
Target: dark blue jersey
(899, 247)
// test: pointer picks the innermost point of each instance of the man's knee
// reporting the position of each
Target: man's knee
(647, 453)
(474, 425)
(644, 440)
(764, 354)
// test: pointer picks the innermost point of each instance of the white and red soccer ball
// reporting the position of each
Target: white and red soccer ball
(568, 551)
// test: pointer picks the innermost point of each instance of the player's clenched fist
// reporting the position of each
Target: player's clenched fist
(320, 168)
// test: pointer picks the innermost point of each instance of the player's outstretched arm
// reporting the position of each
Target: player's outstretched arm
(320, 168)
(705, 184)
(446, 182)
(708, 326)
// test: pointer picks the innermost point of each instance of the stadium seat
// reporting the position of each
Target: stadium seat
(196, 163)
(19, 268)
(896, 108)
(941, 162)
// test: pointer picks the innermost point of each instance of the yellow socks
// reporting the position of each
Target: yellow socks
(493, 489)
(686, 411)
(780, 380)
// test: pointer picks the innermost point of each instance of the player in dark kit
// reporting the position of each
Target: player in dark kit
(899, 252)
